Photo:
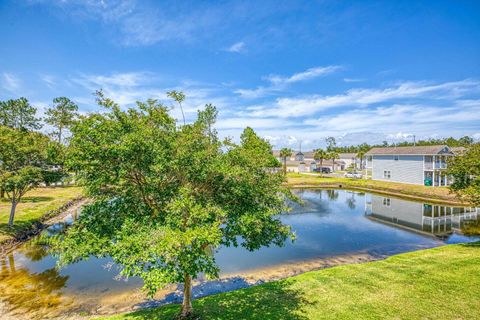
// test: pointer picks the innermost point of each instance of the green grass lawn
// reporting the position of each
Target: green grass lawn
(33, 206)
(440, 283)
(417, 191)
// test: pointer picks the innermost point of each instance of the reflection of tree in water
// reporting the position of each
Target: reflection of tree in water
(332, 194)
(32, 293)
(34, 251)
(351, 201)
(471, 227)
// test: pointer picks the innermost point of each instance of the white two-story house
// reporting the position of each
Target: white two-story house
(422, 165)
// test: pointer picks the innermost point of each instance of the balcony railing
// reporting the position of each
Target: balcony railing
(435, 165)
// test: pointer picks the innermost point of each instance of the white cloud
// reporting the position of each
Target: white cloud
(129, 87)
(348, 80)
(49, 80)
(400, 136)
(312, 104)
(278, 83)
(302, 76)
(10, 82)
(237, 47)
(424, 119)
(240, 123)
(139, 23)
(129, 79)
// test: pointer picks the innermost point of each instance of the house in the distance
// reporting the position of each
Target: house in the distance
(351, 160)
(304, 162)
(422, 165)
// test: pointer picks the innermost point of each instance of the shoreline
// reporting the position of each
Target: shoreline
(48, 219)
(380, 192)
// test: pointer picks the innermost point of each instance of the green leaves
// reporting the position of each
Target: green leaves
(166, 197)
(22, 157)
(19, 114)
(465, 170)
(62, 115)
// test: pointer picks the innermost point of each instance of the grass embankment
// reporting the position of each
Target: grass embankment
(34, 205)
(438, 194)
(439, 283)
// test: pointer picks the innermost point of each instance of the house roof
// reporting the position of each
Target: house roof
(294, 163)
(416, 150)
(308, 154)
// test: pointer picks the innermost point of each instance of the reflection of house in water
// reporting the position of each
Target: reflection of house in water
(433, 219)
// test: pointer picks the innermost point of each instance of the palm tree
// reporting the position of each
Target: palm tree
(333, 155)
(284, 154)
(362, 150)
(360, 156)
(320, 155)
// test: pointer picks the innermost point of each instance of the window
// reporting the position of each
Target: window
(395, 158)
(386, 202)
(387, 174)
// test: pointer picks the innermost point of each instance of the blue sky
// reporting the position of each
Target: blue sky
(361, 71)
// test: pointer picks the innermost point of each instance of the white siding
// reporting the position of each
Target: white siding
(407, 169)
(407, 213)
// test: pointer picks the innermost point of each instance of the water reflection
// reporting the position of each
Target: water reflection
(28, 292)
(331, 223)
(445, 222)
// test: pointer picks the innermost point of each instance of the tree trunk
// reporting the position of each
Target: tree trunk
(2, 193)
(285, 165)
(11, 262)
(12, 213)
(187, 297)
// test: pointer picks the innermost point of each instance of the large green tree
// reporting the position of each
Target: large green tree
(165, 197)
(22, 157)
(19, 114)
(465, 170)
(61, 116)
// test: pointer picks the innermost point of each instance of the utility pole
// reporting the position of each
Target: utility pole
(414, 141)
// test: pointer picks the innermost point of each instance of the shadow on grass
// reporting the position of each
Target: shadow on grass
(36, 199)
(275, 300)
(30, 199)
(472, 244)
(18, 227)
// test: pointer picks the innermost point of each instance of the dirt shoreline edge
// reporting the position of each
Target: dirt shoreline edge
(379, 191)
(48, 219)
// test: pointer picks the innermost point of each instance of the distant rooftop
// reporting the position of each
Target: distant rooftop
(417, 150)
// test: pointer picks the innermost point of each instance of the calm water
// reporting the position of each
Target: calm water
(330, 223)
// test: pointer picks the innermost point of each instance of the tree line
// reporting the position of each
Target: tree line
(164, 195)
(29, 157)
(464, 141)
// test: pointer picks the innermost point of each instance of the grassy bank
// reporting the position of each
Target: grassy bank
(440, 283)
(439, 194)
(34, 205)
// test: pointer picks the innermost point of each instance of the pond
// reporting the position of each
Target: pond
(330, 224)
